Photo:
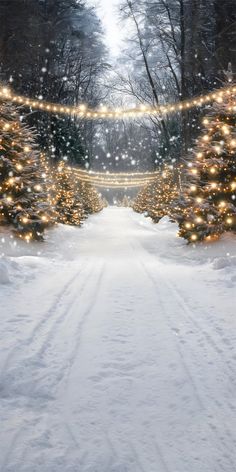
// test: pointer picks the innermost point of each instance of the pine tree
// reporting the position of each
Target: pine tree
(124, 202)
(23, 195)
(156, 199)
(209, 207)
(48, 175)
(91, 200)
(66, 197)
(142, 203)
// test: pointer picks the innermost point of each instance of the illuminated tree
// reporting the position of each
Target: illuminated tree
(143, 200)
(125, 202)
(90, 198)
(209, 208)
(156, 199)
(23, 195)
(66, 198)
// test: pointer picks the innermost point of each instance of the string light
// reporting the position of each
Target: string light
(84, 112)
(113, 180)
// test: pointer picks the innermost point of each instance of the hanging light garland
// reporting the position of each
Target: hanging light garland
(84, 112)
(113, 180)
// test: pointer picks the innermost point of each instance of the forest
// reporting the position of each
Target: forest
(172, 50)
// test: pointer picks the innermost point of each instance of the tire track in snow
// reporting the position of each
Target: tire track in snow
(187, 309)
(214, 429)
(42, 326)
(11, 446)
(161, 455)
(84, 317)
(20, 433)
(78, 335)
(185, 367)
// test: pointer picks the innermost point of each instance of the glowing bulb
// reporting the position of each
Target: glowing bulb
(212, 170)
(28, 237)
(194, 237)
(222, 203)
(6, 91)
(143, 107)
(213, 184)
(27, 149)
(229, 221)
(193, 188)
(188, 225)
(225, 129)
(233, 143)
(82, 107)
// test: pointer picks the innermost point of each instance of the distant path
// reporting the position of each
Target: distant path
(115, 363)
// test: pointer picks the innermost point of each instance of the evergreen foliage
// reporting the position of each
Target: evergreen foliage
(209, 205)
(23, 193)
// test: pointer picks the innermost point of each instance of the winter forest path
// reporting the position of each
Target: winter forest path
(120, 361)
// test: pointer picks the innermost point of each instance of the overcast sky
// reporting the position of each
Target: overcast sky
(107, 10)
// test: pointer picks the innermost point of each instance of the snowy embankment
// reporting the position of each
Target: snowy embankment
(117, 350)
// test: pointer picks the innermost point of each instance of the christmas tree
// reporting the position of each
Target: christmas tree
(23, 195)
(66, 198)
(48, 175)
(209, 207)
(156, 199)
(142, 202)
(125, 202)
(91, 200)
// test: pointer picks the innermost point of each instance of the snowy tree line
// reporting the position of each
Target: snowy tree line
(175, 49)
(54, 49)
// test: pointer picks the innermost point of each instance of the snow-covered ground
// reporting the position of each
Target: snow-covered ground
(118, 350)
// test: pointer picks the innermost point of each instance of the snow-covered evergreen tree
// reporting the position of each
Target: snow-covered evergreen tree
(66, 198)
(91, 200)
(23, 193)
(156, 199)
(125, 202)
(209, 208)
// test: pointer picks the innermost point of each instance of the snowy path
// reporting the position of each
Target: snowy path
(119, 356)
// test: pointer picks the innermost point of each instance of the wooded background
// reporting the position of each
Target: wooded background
(174, 49)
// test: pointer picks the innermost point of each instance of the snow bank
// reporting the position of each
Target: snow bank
(4, 273)
(224, 262)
